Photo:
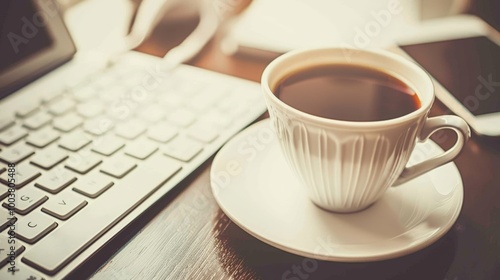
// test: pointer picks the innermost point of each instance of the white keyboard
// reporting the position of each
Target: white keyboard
(97, 152)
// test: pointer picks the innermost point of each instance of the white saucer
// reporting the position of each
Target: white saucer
(257, 190)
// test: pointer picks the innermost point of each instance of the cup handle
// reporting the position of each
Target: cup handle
(432, 125)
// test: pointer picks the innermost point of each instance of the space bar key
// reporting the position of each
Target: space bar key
(65, 243)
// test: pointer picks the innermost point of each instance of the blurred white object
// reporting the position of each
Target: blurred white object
(279, 25)
(98, 26)
(149, 13)
(106, 31)
(214, 15)
(282, 25)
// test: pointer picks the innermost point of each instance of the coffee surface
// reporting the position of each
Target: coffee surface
(347, 92)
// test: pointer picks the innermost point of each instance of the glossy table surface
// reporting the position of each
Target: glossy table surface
(187, 236)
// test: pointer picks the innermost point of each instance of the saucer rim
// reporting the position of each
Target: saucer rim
(402, 251)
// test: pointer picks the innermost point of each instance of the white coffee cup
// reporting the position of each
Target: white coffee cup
(346, 165)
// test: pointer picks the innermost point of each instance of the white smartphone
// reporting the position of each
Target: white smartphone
(462, 54)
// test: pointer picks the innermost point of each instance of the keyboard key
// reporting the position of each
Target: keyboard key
(24, 174)
(130, 129)
(90, 109)
(232, 107)
(51, 95)
(188, 87)
(167, 83)
(33, 227)
(16, 153)
(67, 122)
(182, 148)
(107, 145)
(141, 148)
(226, 103)
(118, 166)
(202, 132)
(153, 113)
(26, 109)
(6, 122)
(201, 102)
(12, 135)
(104, 81)
(162, 132)
(75, 141)
(64, 205)
(72, 82)
(198, 105)
(6, 220)
(93, 185)
(115, 93)
(171, 101)
(49, 158)
(4, 254)
(182, 117)
(27, 199)
(84, 93)
(42, 137)
(133, 79)
(98, 126)
(56, 180)
(121, 70)
(61, 106)
(217, 119)
(67, 241)
(37, 120)
(120, 110)
(83, 164)
(238, 110)
(213, 94)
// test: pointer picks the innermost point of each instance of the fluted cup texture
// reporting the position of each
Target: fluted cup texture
(343, 171)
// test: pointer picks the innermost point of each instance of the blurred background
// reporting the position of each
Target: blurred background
(277, 25)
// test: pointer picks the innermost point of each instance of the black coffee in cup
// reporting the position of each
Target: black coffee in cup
(347, 92)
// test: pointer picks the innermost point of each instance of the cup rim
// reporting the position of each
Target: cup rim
(423, 109)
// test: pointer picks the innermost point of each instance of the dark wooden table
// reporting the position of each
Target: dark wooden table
(187, 236)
